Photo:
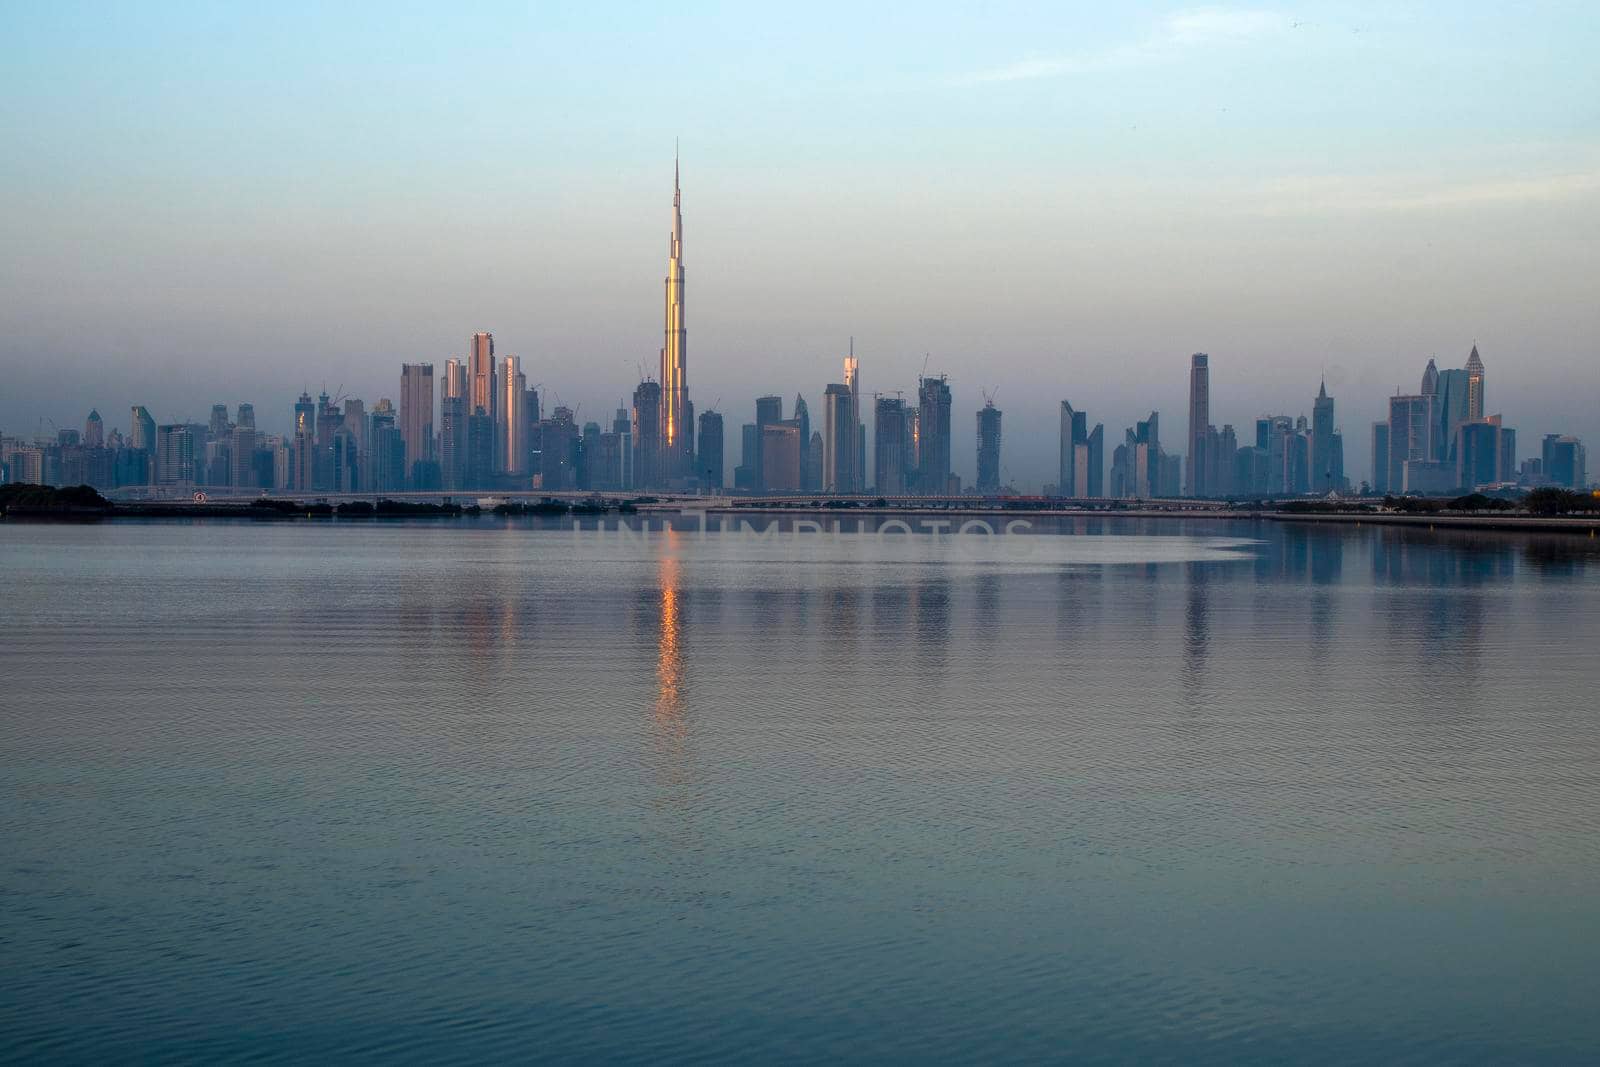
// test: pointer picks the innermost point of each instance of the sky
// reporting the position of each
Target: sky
(215, 202)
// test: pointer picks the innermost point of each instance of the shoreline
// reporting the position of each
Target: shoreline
(1580, 525)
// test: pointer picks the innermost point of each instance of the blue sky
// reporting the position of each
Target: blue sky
(207, 203)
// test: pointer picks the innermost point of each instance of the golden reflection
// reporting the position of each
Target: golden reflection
(669, 649)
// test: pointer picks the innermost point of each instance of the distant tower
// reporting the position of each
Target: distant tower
(453, 426)
(513, 425)
(989, 448)
(1322, 457)
(889, 446)
(647, 436)
(708, 456)
(481, 372)
(1199, 422)
(1474, 385)
(94, 431)
(416, 416)
(677, 444)
(142, 431)
(1074, 433)
(838, 440)
(852, 380)
(933, 436)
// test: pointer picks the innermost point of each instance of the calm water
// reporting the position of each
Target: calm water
(1198, 791)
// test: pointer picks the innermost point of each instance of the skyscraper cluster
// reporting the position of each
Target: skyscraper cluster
(1439, 439)
(487, 430)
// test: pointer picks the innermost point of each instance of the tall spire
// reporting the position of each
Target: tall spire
(675, 429)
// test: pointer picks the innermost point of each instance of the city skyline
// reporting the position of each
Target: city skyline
(493, 433)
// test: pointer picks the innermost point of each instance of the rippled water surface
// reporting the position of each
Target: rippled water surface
(1166, 791)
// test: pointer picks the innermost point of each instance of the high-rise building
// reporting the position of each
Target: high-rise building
(243, 469)
(809, 476)
(838, 440)
(769, 410)
(852, 381)
(94, 430)
(483, 396)
(142, 431)
(1074, 432)
(780, 457)
(1089, 464)
(1475, 384)
(453, 427)
(1322, 435)
(175, 454)
(1478, 453)
(1410, 433)
(479, 473)
(708, 454)
(513, 427)
(1564, 461)
(647, 436)
(674, 418)
(1199, 422)
(622, 426)
(1137, 467)
(889, 446)
(416, 417)
(1449, 411)
(933, 436)
(745, 474)
(988, 448)
(247, 417)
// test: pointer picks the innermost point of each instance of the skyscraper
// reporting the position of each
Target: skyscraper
(247, 416)
(676, 433)
(175, 455)
(780, 457)
(1199, 423)
(1322, 458)
(513, 427)
(416, 416)
(838, 440)
(481, 370)
(1089, 462)
(988, 448)
(708, 454)
(1074, 432)
(769, 410)
(933, 436)
(852, 380)
(1564, 461)
(94, 430)
(1410, 435)
(453, 427)
(1475, 384)
(647, 436)
(888, 446)
(1449, 411)
(142, 431)
(802, 420)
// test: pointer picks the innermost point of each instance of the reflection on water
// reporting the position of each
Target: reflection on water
(1160, 791)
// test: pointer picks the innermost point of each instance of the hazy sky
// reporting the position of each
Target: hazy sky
(204, 204)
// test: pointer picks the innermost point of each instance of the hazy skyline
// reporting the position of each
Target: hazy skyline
(209, 205)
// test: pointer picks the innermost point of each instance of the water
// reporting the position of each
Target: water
(1145, 791)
